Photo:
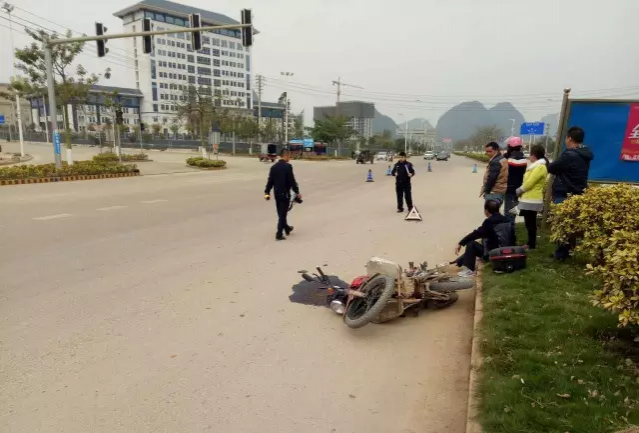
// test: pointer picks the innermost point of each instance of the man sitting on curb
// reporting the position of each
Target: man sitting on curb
(496, 231)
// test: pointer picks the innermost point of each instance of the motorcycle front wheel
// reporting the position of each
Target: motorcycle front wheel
(361, 311)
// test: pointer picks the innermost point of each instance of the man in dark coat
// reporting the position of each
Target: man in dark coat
(571, 176)
(282, 180)
(403, 172)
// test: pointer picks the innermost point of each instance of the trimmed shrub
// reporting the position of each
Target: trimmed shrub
(201, 162)
(605, 220)
(49, 170)
(477, 156)
(113, 158)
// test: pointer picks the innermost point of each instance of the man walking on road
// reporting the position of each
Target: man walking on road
(403, 171)
(571, 174)
(282, 180)
(496, 175)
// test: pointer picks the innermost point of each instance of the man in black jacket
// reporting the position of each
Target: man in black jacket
(282, 180)
(496, 231)
(403, 171)
(571, 169)
(571, 176)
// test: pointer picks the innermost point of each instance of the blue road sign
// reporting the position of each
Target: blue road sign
(1, 119)
(532, 128)
(308, 142)
(56, 142)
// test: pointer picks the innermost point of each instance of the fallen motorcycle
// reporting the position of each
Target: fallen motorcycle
(388, 292)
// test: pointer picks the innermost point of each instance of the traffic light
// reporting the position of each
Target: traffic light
(147, 41)
(247, 32)
(99, 31)
(118, 117)
(196, 37)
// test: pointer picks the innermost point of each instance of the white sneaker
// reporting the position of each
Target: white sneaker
(466, 273)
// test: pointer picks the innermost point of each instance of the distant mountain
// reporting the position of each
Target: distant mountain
(418, 123)
(382, 122)
(461, 121)
(502, 114)
(553, 121)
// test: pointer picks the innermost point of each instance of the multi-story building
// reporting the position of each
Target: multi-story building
(95, 111)
(221, 68)
(361, 115)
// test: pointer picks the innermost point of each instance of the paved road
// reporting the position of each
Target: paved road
(160, 304)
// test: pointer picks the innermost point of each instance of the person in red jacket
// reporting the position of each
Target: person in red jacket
(517, 164)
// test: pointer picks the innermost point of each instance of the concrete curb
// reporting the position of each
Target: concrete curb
(11, 162)
(66, 178)
(476, 360)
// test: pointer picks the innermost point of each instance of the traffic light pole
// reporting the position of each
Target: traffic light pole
(48, 58)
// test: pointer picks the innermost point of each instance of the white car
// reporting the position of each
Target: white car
(381, 156)
(429, 154)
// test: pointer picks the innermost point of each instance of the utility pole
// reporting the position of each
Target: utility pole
(9, 8)
(260, 88)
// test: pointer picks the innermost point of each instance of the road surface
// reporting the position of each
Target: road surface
(160, 304)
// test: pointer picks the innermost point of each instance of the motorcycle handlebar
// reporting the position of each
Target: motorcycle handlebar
(308, 278)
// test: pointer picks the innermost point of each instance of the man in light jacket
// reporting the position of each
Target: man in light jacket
(496, 175)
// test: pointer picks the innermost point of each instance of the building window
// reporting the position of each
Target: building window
(191, 69)
(155, 109)
(215, 52)
(215, 42)
(204, 71)
(154, 91)
(216, 72)
(216, 62)
(216, 83)
(191, 79)
(204, 60)
(206, 40)
(224, 43)
(190, 58)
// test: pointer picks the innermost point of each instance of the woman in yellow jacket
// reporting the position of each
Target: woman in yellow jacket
(531, 192)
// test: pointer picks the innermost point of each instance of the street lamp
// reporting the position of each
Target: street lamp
(405, 133)
(286, 106)
(8, 9)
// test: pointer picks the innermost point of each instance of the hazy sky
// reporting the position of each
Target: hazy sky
(434, 51)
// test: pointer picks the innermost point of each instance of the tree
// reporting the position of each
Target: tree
(331, 129)
(175, 127)
(484, 135)
(269, 130)
(71, 87)
(199, 109)
(298, 125)
(156, 127)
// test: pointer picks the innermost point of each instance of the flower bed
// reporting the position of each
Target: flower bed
(112, 157)
(209, 164)
(77, 169)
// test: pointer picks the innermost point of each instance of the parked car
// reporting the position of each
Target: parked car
(442, 156)
(381, 156)
(429, 154)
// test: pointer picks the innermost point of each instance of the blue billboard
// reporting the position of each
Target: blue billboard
(610, 127)
(532, 128)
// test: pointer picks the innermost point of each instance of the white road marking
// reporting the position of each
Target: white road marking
(52, 217)
(153, 201)
(108, 208)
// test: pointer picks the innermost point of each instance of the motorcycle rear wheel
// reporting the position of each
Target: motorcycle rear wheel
(450, 286)
(361, 311)
(438, 304)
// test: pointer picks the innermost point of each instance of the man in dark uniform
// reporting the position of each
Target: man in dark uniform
(282, 180)
(403, 171)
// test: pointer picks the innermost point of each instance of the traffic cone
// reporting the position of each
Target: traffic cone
(475, 168)
(429, 168)
(369, 178)
(389, 172)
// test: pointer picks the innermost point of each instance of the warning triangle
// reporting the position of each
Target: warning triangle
(413, 215)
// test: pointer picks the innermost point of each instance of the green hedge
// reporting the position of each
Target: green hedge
(201, 162)
(49, 170)
(478, 156)
(321, 158)
(112, 157)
